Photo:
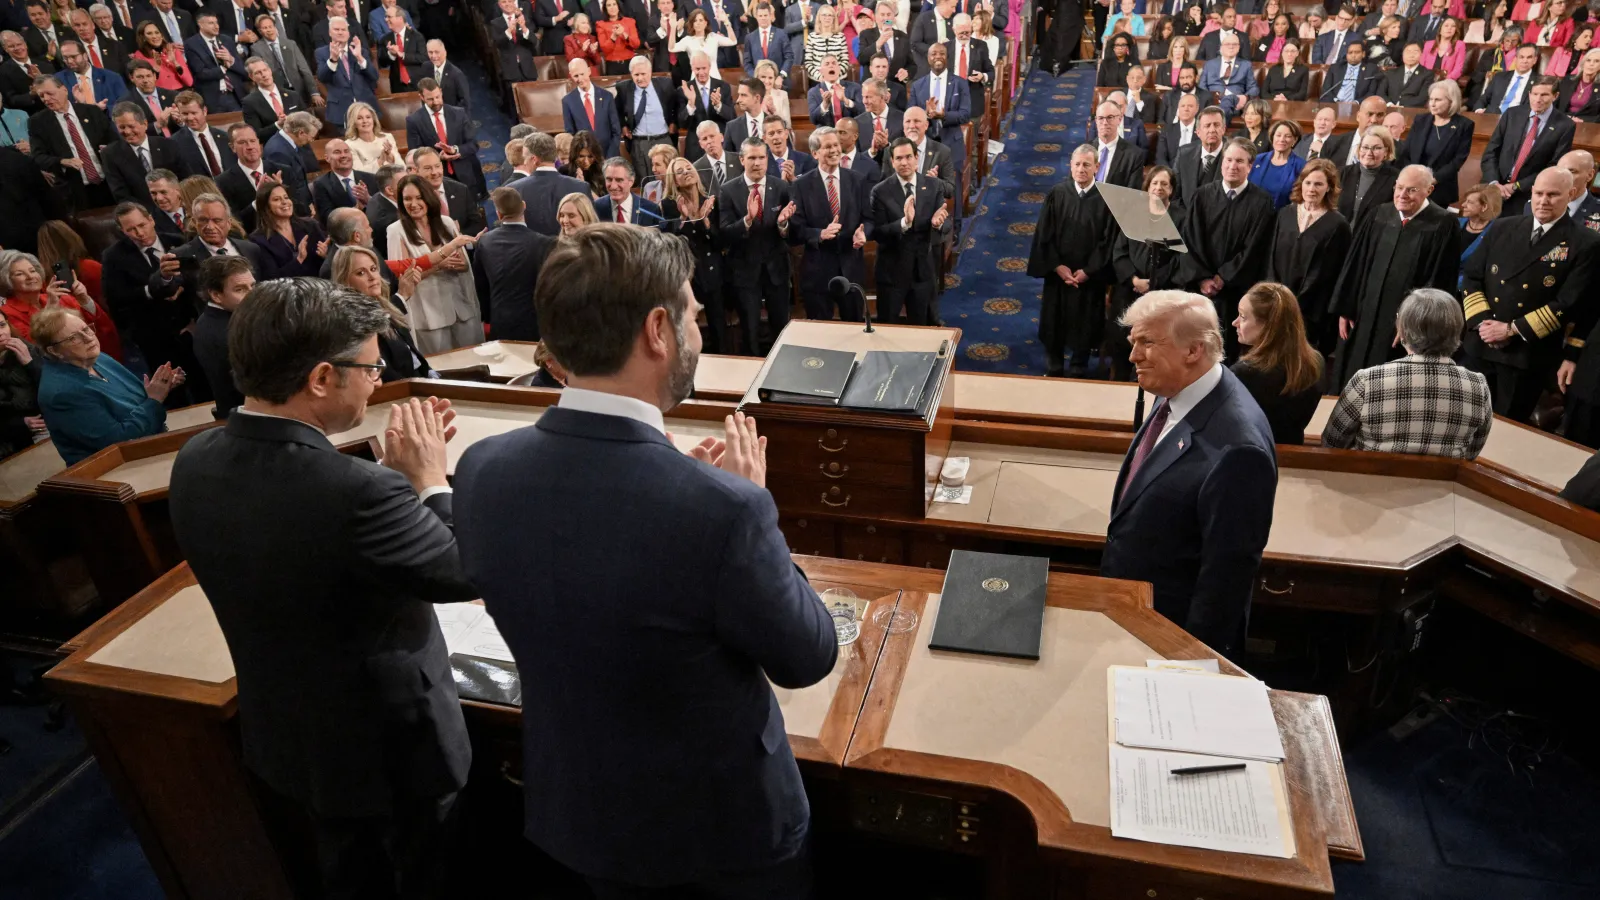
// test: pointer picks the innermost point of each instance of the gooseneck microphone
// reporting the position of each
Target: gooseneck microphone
(840, 287)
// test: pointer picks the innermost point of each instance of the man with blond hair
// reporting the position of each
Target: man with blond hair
(1193, 502)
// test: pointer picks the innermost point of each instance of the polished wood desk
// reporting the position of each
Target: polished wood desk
(1001, 759)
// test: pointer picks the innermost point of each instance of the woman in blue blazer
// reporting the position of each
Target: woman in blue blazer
(1440, 139)
(90, 401)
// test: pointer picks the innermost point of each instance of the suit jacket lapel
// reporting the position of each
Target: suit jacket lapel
(1168, 451)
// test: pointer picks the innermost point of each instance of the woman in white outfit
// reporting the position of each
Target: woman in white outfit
(444, 310)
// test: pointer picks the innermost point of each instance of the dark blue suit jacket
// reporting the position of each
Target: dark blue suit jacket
(812, 213)
(957, 112)
(779, 50)
(343, 90)
(645, 212)
(1195, 518)
(282, 152)
(821, 108)
(607, 125)
(209, 74)
(645, 651)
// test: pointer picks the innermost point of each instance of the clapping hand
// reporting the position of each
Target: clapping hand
(860, 238)
(414, 441)
(940, 215)
(788, 170)
(705, 208)
(362, 194)
(785, 213)
(158, 385)
(832, 231)
(716, 96)
(741, 452)
(910, 209)
(322, 246)
(300, 249)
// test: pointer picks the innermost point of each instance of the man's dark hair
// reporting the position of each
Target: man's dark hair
(1349, 9)
(599, 285)
(427, 84)
(76, 43)
(1190, 67)
(507, 202)
(899, 142)
(205, 14)
(289, 326)
(757, 87)
(1212, 111)
(39, 3)
(136, 65)
(127, 207)
(216, 270)
(1549, 81)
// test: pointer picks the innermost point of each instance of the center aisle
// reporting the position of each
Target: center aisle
(989, 296)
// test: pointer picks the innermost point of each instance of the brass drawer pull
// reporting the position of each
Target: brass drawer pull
(833, 470)
(822, 445)
(834, 492)
(1268, 588)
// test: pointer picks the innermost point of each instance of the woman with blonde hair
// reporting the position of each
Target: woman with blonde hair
(1578, 97)
(1369, 181)
(687, 200)
(1309, 243)
(371, 147)
(583, 44)
(575, 211)
(359, 268)
(1281, 370)
(1166, 77)
(661, 157)
(777, 99)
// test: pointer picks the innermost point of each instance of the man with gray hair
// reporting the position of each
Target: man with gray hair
(349, 227)
(1072, 252)
(647, 109)
(543, 187)
(286, 149)
(1422, 403)
(1192, 506)
(712, 166)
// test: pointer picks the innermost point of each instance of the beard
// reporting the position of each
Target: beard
(680, 379)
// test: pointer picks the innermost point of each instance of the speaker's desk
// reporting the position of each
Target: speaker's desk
(1003, 759)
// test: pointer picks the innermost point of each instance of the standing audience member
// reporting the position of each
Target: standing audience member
(506, 265)
(290, 244)
(833, 208)
(696, 205)
(224, 281)
(1422, 403)
(1277, 170)
(1279, 368)
(1369, 181)
(359, 268)
(1441, 139)
(909, 218)
(447, 311)
(575, 211)
(1228, 226)
(89, 401)
(753, 217)
(1528, 138)
(1309, 245)
(26, 290)
(1072, 248)
(1140, 269)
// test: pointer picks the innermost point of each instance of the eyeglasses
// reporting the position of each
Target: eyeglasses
(81, 336)
(374, 370)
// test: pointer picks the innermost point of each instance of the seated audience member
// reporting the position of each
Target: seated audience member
(360, 269)
(224, 280)
(20, 367)
(26, 290)
(289, 243)
(447, 309)
(1424, 402)
(1281, 370)
(90, 401)
(573, 212)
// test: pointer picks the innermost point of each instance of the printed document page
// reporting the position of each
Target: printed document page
(1167, 709)
(1240, 812)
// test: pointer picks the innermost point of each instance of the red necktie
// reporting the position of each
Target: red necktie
(763, 43)
(94, 55)
(1527, 145)
(755, 203)
(400, 58)
(588, 108)
(277, 106)
(80, 149)
(877, 124)
(833, 195)
(177, 216)
(620, 219)
(961, 61)
(154, 102)
(256, 177)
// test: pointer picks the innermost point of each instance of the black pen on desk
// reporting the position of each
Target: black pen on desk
(1205, 770)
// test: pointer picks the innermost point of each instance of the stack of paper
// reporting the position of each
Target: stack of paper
(1164, 719)
(469, 629)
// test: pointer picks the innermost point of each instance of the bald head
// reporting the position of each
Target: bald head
(1552, 191)
(1411, 189)
(1580, 163)
(1371, 112)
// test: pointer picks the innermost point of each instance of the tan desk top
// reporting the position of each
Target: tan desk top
(505, 359)
(20, 474)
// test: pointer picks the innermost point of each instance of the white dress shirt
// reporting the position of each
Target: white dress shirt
(1188, 398)
(604, 404)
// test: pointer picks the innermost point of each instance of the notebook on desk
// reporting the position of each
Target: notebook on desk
(807, 375)
(992, 603)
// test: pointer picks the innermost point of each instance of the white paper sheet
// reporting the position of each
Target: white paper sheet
(1168, 709)
(1185, 665)
(468, 628)
(1238, 812)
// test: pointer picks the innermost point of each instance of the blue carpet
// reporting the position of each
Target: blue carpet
(76, 846)
(989, 295)
(493, 128)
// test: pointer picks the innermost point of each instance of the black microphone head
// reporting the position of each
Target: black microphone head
(838, 286)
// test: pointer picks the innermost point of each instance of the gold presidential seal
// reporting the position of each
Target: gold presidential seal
(995, 585)
(811, 362)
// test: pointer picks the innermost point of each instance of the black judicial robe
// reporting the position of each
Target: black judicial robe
(1061, 44)
(1076, 232)
(1308, 263)
(1387, 262)
(1130, 260)
(1228, 238)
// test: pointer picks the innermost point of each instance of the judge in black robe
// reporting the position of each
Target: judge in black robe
(1386, 262)
(1308, 263)
(1061, 44)
(1229, 239)
(1137, 259)
(1076, 233)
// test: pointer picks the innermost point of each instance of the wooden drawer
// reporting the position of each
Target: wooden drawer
(810, 537)
(796, 495)
(1305, 587)
(871, 455)
(931, 549)
(873, 543)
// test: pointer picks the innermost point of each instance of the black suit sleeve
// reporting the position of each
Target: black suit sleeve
(403, 544)
(1584, 488)
(1235, 510)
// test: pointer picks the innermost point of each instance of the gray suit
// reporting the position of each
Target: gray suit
(542, 191)
(292, 74)
(506, 268)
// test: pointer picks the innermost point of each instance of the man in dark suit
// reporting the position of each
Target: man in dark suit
(27, 199)
(206, 150)
(447, 75)
(166, 206)
(896, 91)
(554, 20)
(1407, 84)
(513, 40)
(177, 25)
(589, 108)
(139, 273)
(117, 22)
(832, 99)
(933, 158)
(110, 35)
(786, 162)
(1118, 161)
(708, 99)
(933, 27)
(349, 721)
(544, 187)
(218, 74)
(102, 52)
(947, 103)
(460, 203)
(457, 141)
(404, 51)
(67, 141)
(856, 160)
(768, 42)
(879, 123)
(1200, 162)
(832, 218)
(908, 215)
(752, 117)
(888, 42)
(1188, 86)
(283, 151)
(970, 62)
(382, 209)
(739, 616)
(1211, 45)
(290, 71)
(506, 264)
(158, 103)
(342, 185)
(620, 204)
(210, 217)
(715, 166)
(1193, 502)
(139, 152)
(266, 106)
(1510, 88)
(1546, 143)
(345, 65)
(1329, 47)
(42, 34)
(249, 170)
(753, 213)
(17, 72)
(1424, 28)
(648, 111)
(224, 283)
(1177, 135)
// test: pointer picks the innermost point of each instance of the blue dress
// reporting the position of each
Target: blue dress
(1276, 180)
(87, 414)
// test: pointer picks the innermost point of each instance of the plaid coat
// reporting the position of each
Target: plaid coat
(1418, 404)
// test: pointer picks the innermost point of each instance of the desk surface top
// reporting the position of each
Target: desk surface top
(20, 474)
(1045, 720)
